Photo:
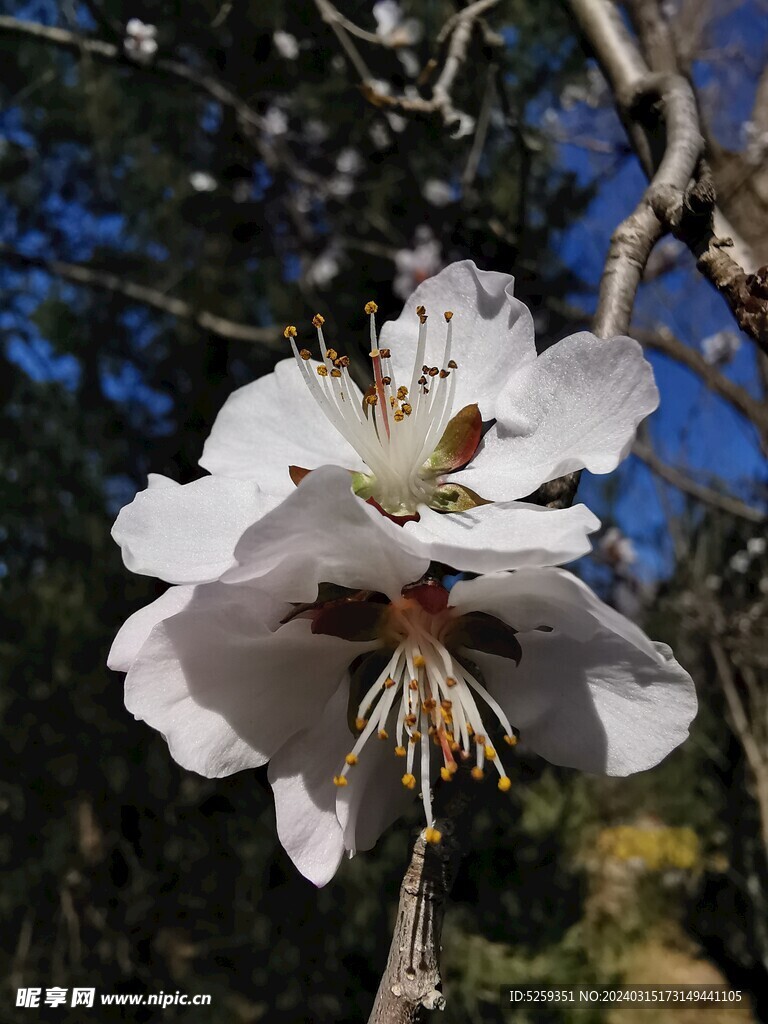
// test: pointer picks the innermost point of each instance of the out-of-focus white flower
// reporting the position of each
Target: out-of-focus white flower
(740, 561)
(380, 137)
(756, 546)
(461, 353)
(324, 268)
(437, 192)
(416, 264)
(713, 582)
(275, 121)
(349, 161)
(315, 130)
(202, 181)
(286, 45)
(395, 29)
(340, 186)
(755, 142)
(140, 42)
(396, 122)
(721, 347)
(763, 585)
(616, 549)
(252, 660)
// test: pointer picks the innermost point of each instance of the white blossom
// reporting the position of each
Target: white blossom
(140, 42)
(437, 192)
(415, 264)
(617, 549)
(324, 268)
(756, 546)
(414, 442)
(250, 659)
(202, 181)
(740, 561)
(286, 45)
(391, 25)
(721, 347)
(275, 121)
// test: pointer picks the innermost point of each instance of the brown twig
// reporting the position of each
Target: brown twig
(105, 281)
(707, 495)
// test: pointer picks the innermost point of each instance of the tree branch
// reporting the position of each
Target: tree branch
(663, 340)
(707, 495)
(222, 327)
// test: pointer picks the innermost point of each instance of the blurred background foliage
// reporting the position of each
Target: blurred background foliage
(151, 235)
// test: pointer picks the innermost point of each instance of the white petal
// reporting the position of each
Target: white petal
(492, 332)
(225, 686)
(130, 639)
(301, 774)
(595, 693)
(323, 533)
(577, 406)
(375, 796)
(271, 424)
(187, 533)
(531, 597)
(506, 535)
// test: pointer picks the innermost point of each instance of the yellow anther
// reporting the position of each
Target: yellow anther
(407, 408)
(386, 380)
(429, 704)
(322, 370)
(371, 399)
(402, 391)
(360, 723)
(452, 767)
(385, 353)
(383, 734)
(479, 739)
(511, 741)
(444, 374)
(399, 751)
(398, 417)
(415, 736)
(389, 682)
(305, 354)
(505, 783)
(409, 781)
(446, 775)
(419, 661)
(335, 372)
(410, 719)
(490, 753)
(371, 307)
(318, 320)
(453, 745)
(433, 371)
(452, 364)
(423, 318)
(450, 681)
(421, 311)
(413, 685)
(331, 354)
(477, 774)
(351, 759)
(448, 316)
(432, 835)
(342, 361)
(290, 331)
(447, 718)
(470, 730)
(339, 780)
(392, 401)
(446, 704)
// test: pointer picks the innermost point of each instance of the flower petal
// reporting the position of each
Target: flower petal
(322, 533)
(374, 798)
(505, 535)
(532, 597)
(226, 686)
(135, 630)
(576, 406)
(187, 533)
(271, 424)
(492, 332)
(595, 693)
(301, 774)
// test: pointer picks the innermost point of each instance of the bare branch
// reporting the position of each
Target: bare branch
(231, 330)
(661, 339)
(707, 495)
